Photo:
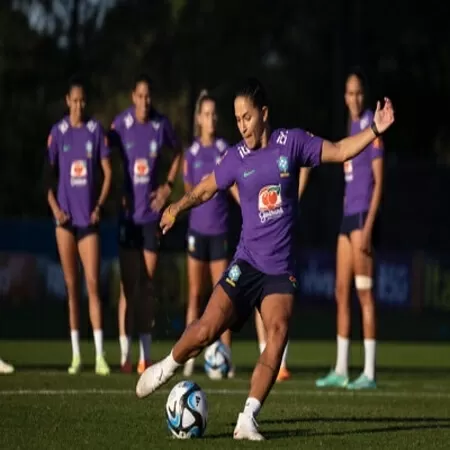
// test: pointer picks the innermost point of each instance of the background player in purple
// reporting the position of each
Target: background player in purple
(283, 374)
(208, 223)
(363, 188)
(141, 134)
(77, 148)
(265, 167)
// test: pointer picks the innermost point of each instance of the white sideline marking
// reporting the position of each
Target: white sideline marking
(313, 393)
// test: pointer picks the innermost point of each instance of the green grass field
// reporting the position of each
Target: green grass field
(41, 407)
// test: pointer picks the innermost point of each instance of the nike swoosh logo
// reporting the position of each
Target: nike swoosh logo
(248, 173)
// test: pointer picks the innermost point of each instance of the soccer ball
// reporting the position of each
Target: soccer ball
(187, 410)
(217, 360)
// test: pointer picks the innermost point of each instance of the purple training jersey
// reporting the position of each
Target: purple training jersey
(267, 180)
(76, 153)
(140, 146)
(358, 171)
(210, 218)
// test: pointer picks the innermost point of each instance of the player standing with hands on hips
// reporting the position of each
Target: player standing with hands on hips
(265, 167)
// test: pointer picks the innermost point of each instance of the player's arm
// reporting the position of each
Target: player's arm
(377, 169)
(303, 180)
(107, 180)
(349, 147)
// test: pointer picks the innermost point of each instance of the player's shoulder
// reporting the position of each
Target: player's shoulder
(158, 120)
(93, 125)
(366, 119)
(287, 136)
(193, 149)
(221, 145)
(61, 127)
(124, 120)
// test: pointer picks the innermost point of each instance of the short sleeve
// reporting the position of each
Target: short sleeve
(102, 142)
(225, 171)
(170, 138)
(52, 146)
(187, 168)
(306, 148)
(377, 148)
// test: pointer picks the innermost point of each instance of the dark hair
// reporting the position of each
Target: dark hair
(76, 81)
(142, 78)
(358, 73)
(253, 90)
(203, 97)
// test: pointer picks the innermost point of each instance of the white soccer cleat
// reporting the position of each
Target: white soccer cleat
(189, 367)
(6, 368)
(247, 429)
(152, 379)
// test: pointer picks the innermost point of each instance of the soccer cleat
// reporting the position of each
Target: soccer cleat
(362, 382)
(189, 367)
(232, 372)
(101, 366)
(5, 368)
(152, 379)
(142, 366)
(283, 374)
(126, 367)
(75, 367)
(247, 429)
(333, 379)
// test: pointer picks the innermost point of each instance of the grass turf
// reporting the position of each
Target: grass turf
(41, 407)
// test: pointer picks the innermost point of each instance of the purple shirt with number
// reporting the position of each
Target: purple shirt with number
(140, 146)
(210, 218)
(267, 180)
(76, 153)
(359, 181)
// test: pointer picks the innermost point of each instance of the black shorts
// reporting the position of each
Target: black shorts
(247, 287)
(134, 236)
(356, 221)
(207, 248)
(80, 232)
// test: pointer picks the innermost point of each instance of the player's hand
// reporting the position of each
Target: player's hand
(95, 215)
(61, 217)
(384, 117)
(168, 218)
(159, 197)
(366, 242)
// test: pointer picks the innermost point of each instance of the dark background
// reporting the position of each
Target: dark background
(300, 50)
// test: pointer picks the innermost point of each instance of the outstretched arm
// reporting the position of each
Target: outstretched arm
(351, 146)
(198, 195)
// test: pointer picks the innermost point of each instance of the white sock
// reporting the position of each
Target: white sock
(369, 358)
(284, 357)
(98, 341)
(125, 344)
(169, 364)
(343, 345)
(75, 338)
(262, 346)
(252, 407)
(145, 341)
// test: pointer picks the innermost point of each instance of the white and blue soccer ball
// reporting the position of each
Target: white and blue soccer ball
(187, 410)
(217, 360)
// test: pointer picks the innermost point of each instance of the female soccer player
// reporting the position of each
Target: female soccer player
(208, 223)
(265, 166)
(141, 134)
(284, 374)
(363, 178)
(77, 148)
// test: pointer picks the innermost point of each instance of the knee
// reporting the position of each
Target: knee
(194, 296)
(363, 284)
(92, 286)
(71, 285)
(277, 332)
(342, 293)
(205, 332)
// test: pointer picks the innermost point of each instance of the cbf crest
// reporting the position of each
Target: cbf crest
(89, 148)
(233, 275)
(153, 147)
(283, 166)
